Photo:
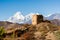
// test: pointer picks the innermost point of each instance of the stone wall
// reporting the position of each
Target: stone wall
(36, 19)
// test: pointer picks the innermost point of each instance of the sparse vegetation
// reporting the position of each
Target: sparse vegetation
(57, 34)
(2, 31)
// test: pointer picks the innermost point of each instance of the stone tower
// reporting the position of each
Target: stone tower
(36, 19)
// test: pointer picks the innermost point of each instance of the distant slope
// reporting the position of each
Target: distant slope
(54, 16)
(7, 25)
(56, 22)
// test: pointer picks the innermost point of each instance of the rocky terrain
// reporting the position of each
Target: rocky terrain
(41, 31)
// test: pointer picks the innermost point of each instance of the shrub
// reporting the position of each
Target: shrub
(2, 31)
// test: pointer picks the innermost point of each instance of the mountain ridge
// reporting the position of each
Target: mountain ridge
(19, 18)
(27, 19)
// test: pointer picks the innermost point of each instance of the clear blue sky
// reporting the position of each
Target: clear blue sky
(45, 7)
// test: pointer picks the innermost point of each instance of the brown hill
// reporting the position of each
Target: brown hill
(7, 25)
(40, 31)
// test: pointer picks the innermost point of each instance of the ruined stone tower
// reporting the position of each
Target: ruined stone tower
(36, 19)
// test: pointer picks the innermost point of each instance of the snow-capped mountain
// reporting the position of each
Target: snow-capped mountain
(54, 16)
(19, 18)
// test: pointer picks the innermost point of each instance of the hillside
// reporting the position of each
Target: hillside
(41, 31)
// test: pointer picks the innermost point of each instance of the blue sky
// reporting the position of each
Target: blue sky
(44, 7)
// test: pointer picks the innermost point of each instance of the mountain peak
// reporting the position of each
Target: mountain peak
(16, 17)
(19, 18)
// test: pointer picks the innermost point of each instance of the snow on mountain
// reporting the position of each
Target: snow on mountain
(54, 16)
(19, 18)
(28, 18)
